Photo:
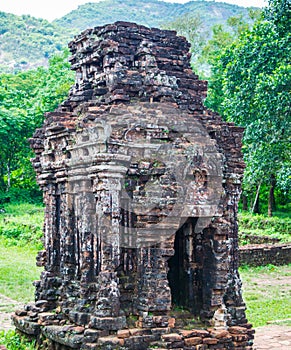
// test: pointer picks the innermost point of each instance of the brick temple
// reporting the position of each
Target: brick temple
(141, 186)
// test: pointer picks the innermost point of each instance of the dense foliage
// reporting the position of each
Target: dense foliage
(24, 97)
(277, 226)
(251, 85)
(21, 224)
(14, 341)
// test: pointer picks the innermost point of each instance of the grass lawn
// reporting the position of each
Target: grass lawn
(267, 293)
(18, 271)
(20, 232)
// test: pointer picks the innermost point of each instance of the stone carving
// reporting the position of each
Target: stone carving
(141, 184)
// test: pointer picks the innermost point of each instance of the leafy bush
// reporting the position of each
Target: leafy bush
(21, 224)
(13, 341)
(21, 195)
(261, 225)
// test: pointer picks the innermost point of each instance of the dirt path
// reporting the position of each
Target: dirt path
(5, 321)
(7, 306)
(273, 337)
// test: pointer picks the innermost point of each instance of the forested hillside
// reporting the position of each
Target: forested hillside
(27, 42)
(152, 13)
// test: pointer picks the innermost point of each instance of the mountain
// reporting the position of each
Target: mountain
(27, 42)
(152, 13)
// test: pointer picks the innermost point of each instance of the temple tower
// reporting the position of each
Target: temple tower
(141, 186)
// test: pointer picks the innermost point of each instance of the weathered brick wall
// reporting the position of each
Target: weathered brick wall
(260, 255)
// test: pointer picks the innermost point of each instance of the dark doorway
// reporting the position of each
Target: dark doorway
(185, 269)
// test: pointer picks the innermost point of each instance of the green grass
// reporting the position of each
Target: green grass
(20, 239)
(18, 271)
(20, 233)
(267, 293)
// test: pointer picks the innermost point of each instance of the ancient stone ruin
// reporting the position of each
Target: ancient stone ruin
(141, 184)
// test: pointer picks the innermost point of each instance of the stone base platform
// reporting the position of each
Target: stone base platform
(66, 337)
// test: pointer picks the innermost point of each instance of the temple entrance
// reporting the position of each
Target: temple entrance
(185, 269)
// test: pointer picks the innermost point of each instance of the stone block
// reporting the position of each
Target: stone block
(79, 318)
(25, 326)
(45, 316)
(92, 335)
(59, 335)
(201, 347)
(210, 341)
(90, 346)
(20, 313)
(110, 340)
(123, 333)
(171, 337)
(108, 323)
(193, 341)
(240, 337)
(237, 330)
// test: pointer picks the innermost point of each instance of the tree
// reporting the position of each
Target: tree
(24, 97)
(254, 80)
(17, 93)
(222, 38)
(279, 13)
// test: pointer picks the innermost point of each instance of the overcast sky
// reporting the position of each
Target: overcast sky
(52, 9)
